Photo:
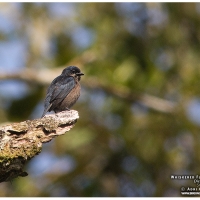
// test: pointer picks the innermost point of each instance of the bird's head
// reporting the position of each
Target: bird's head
(72, 71)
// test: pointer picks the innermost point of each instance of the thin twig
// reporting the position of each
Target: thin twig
(45, 76)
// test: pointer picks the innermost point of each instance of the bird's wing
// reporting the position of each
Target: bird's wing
(57, 91)
(61, 88)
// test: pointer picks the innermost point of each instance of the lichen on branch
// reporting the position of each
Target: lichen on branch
(21, 141)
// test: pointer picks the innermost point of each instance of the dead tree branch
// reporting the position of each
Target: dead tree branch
(20, 142)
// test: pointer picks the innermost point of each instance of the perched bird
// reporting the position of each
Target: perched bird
(64, 91)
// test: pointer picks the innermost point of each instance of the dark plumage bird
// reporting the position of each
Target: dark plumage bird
(64, 91)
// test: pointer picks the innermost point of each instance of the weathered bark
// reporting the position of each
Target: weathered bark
(20, 142)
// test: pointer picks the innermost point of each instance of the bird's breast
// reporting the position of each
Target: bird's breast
(71, 98)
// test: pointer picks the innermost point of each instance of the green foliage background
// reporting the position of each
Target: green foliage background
(119, 147)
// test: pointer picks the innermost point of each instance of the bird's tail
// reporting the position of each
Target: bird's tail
(46, 110)
(43, 114)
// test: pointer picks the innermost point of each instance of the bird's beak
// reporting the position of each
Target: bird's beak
(79, 74)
